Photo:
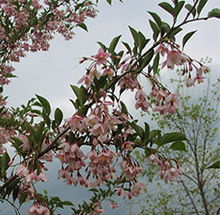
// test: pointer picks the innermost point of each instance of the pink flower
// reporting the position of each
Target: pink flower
(172, 102)
(42, 177)
(199, 79)
(25, 141)
(141, 100)
(173, 58)
(189, 82)
(75, 122)
(121, 191)
(202, 69)
(102, 56)
(137, 189)
(22, 170)
(109, 72)
(152, 159)
(127, 146)
(31, 176)
(34, 209)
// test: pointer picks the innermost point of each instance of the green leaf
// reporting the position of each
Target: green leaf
(201, 5)
(109, 1)
(156, 19)
(187, 37)
(167, 7)
(142, 42)
(45, 104)
(156, 63)
(113, 44)
(124, 108)
(68, 203)
(4, 162)
(174, 33)
(165, 28)
(75, 90)
(153, 134)
(155, 29)
(102, 46)
(23, 197)
(127, 47)
(215, 13)
(215, 165)
(58, 116)
(83, 26)
(178, 145)
(134, 35)
(179, 7)
(146, 60)
(83, 95)
(83, 110)
(190, 8)
(171, 137)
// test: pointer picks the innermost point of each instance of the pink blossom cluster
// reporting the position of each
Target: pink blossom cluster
(166, 102)
(5, 137)
(112, 204)
(31, 25)
(29, 175)
(175, 57)
(135, 190)
(72, 156)
(167, 170)
(97, 209)
(37, 209)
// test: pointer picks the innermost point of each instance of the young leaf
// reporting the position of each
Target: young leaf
(45, 104)
(187, 37)
(166, 6)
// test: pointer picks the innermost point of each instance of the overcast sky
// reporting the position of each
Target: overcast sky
(50, 73)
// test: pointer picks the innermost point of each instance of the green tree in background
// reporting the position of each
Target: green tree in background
(197, 191)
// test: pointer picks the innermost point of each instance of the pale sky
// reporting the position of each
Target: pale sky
(50, 73)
